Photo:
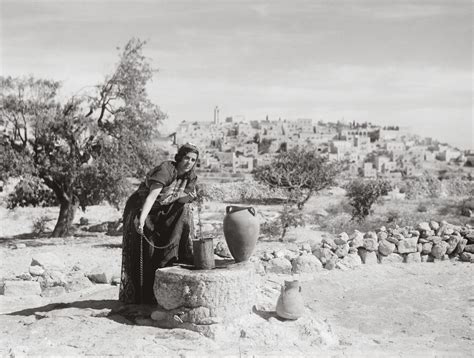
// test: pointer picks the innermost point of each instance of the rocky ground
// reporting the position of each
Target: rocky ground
(392, 309)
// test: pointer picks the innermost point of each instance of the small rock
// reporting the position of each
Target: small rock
(222, 250)
(267, 256)
(77, 282)
(413, 257)
(36, 270)
(279, 265)
(24, 276)
(53, 278)
(408, 245)
(329, 243)
(395, 238)
(435, 239)
(425, 258)
(83, 221)
(330, 264)
(19, 246)
(287, 254)
(370, 235)
(103, 227)
(434, 225)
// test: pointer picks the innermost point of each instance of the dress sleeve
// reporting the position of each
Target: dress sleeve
(162, 174)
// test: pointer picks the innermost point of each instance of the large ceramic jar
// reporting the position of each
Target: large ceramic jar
(290, 304)
(241, 230)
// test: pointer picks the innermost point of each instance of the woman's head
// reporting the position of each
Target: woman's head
(186, 157)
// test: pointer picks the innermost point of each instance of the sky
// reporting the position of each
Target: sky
(406, 63)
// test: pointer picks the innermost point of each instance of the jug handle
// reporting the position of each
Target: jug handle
(252, 211)
(229, 209)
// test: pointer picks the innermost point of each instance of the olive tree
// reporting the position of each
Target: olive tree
(83, 148)
(302, 173)
(363, 194)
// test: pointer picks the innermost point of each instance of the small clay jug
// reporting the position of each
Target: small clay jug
(241, 230)
(290, 304)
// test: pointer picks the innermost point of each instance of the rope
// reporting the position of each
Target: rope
(143, 236)
(141, 269)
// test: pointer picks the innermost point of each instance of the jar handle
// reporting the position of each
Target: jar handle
(229, 209)
(252, 211)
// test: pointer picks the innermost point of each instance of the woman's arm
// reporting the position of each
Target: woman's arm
(155, 190)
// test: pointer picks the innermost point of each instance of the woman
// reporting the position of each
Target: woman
(157, 225)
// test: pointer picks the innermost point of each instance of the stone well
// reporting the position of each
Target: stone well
(201, 300)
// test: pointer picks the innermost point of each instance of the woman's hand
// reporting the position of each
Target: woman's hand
(139, 227)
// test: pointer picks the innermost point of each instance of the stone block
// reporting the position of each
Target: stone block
(306, 263)
(461, 246)
(453, 242)
(350, 261)
(408, 245)
(341, 239)
(323, 254)
(21, 288)
(199, 299)
(342, 250)
(469, 248)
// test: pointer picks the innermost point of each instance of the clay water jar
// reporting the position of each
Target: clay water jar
(290, 304)
(241, 230)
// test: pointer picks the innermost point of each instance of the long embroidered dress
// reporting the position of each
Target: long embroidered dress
(169, 225)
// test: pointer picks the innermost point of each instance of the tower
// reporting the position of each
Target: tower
(216, 115)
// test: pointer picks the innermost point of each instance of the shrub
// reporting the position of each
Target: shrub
(363, 194)
(40, 225)
(29, 191)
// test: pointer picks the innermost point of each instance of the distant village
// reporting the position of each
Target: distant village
(234, 145)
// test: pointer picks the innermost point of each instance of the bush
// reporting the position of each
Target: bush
(363, 194)
(39, 225)
(29, 191)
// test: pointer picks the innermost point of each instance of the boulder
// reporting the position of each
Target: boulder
(439, 250)
(461, 246)
(323, 254)
(426, 249)
(371, 243)
(469, 248)
(21, 288)
(368, 257)
(306, 263)
(453, 242)
(413, 257)
(349, 261)
(357, 239)
(423, 226)
(341, 239)
(279, 265)
(467, 257)
(395, 238)
(408, 245)
(342, 250)
(382, 235)
(386, 247)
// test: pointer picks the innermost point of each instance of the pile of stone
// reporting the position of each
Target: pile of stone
(427, 242)
(48, 276)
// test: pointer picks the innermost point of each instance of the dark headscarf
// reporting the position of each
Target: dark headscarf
(182, 151)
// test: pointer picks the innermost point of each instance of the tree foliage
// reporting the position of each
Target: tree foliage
(363, 194)
(301, 173)
(85, 148)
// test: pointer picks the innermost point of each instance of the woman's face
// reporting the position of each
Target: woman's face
(188, 162)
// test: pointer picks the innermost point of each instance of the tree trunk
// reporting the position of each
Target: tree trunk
(301, 203)
(66, 216)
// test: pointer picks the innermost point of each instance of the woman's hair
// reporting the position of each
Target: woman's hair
(185, 149)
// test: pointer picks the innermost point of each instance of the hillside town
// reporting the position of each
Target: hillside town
(234, 145)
